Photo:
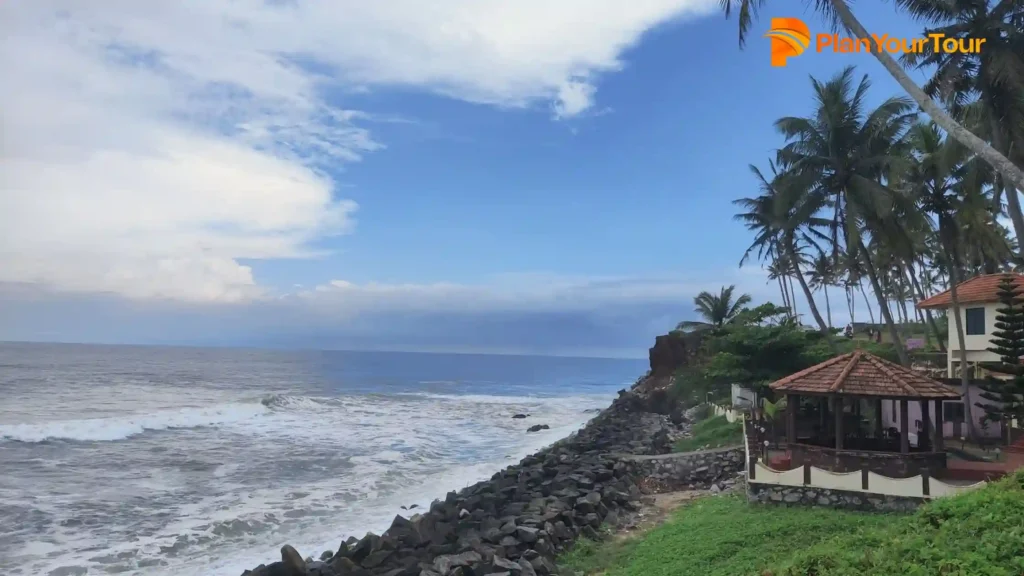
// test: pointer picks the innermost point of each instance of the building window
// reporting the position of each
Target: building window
(952, 411)
(975, 321)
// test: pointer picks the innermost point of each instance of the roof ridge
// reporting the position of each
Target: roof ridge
(811, 370)
(855, 357)
(881, 365)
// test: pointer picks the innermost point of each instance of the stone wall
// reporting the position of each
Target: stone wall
(838, 499)
(706, 469)
(519, 520)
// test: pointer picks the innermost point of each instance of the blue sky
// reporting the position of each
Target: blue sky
(503, 177)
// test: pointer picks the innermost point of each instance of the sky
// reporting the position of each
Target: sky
(505, 176)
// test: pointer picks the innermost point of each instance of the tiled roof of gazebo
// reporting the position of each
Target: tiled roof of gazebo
(861, 374)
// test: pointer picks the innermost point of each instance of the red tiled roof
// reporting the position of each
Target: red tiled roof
(861, 374)
(977, 290)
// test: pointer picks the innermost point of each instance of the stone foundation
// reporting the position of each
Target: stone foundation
(838, 499)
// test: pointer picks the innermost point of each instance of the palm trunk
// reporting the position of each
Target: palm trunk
(785, 296)
(927, 313)
(1012, 200)
(897, 341)
(964, 380)
(867, 302)
(828, 306)
(792, 297)
(850, 303)
(810, 297)
(989, 154)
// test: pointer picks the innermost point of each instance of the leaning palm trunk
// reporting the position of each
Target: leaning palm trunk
(897, 341)
(792, 297)
(1002, 164)
(919, 295)
(867, 302)
(1012, 200)
(828, 306)
(807, 294)
(964, 380)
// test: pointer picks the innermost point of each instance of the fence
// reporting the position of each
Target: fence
(865, 481)
(730, 414)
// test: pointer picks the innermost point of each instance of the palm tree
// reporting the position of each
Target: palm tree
(822, 275)
(777, 216)
(839, 156)
(839, 15)
(983, 90)
(717, 311)
(940, 178)
(777, 271)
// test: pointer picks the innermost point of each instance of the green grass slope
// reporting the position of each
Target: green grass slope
(980, 533)
(714, 432)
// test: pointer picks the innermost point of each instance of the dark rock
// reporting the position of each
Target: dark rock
(519, 416)
(538, 428)
(292, 561)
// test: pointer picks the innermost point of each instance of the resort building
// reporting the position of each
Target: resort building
(979, 302)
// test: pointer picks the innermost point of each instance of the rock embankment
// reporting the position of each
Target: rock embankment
(519, 520)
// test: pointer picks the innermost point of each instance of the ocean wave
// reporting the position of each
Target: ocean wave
(122, 427)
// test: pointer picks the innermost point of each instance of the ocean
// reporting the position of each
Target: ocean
(190, 461)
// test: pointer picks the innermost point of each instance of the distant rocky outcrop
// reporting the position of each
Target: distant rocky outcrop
(519, 520)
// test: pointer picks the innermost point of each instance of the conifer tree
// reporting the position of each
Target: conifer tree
(1005, 395)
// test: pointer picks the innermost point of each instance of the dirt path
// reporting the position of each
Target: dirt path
(655, 512)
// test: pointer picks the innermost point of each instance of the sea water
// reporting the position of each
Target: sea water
(187, 461)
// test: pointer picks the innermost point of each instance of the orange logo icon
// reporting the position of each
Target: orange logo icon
(790, 37)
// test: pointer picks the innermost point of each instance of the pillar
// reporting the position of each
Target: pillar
(792, 404)
(839, 422)
(878, 419)
(904, 428)
(926, 425)
(937, 441)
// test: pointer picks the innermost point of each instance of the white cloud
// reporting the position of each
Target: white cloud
(147, 147)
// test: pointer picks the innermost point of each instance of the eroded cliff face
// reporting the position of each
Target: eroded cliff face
(669, 353)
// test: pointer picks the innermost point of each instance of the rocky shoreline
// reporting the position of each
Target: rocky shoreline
(517, 522)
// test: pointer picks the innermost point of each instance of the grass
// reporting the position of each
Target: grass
(719, 536)
(980, 533)
(715, 432)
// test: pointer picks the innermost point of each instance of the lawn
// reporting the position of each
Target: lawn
(980, 533)
(715, 432)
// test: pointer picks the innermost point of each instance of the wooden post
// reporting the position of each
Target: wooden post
(807, 474)
(839, 422)
(878, 419)
(751, 468)
(926, 425)
(904, 428)
(925, 482)
(938, 441)
(864, 478)
(823, 416)
(792, 403)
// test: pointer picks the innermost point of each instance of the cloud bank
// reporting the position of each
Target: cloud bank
(151, 147)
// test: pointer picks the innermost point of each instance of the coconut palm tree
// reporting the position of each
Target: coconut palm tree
(839, 16)
(777, 270)
(716, 310)
(939, 178)
(838, 157)
(983, 90)
(822, 274)
(778, 217)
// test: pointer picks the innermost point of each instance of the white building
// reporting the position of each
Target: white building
(979, 302)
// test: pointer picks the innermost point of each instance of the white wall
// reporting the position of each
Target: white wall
(976, 345)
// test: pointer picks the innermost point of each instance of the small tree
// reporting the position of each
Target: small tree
(1005, 395)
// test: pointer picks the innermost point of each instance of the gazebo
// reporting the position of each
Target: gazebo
(834, 417)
